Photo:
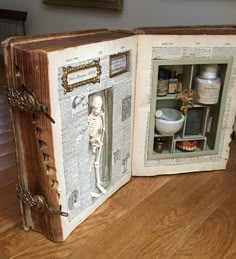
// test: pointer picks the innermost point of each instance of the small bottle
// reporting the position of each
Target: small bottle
(173, 83)
(162, 82)
(158, 145)
(180, 83)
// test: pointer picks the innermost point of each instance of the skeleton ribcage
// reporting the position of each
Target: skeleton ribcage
(95, 126)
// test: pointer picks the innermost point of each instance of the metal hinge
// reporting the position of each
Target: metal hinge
(26, 100)
(37, 202)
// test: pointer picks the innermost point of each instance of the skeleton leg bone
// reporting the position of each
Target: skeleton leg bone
(97, 174)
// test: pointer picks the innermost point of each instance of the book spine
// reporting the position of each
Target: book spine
(16, 132)
(33, 140)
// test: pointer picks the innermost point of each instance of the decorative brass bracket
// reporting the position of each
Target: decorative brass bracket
(26, 100)
(37, 202)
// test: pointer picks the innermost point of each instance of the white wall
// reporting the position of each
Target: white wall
(136, 13)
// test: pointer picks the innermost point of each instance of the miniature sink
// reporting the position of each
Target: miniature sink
(168, 121)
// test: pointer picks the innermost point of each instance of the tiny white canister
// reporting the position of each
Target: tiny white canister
(208, 84)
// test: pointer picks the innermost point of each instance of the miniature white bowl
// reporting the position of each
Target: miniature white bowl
(168, 121)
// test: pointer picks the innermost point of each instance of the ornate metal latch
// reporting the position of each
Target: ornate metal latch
(26, 100)
(37, 202)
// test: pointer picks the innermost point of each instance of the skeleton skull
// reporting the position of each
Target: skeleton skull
(96, 104)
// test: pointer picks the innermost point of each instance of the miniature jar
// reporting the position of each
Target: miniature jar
(158, 145)
(180, 83)
(208, 84)
(162, 82)
(173, 83)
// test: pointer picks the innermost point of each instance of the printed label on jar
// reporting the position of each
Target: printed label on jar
(162, 87)
(173, 85)
(209, 94)
(172, 88)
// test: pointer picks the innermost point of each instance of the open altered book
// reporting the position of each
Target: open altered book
(91, 109)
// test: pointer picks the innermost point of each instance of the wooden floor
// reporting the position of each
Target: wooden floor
(182, 216)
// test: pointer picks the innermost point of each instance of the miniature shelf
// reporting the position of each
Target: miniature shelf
(202, 122)
(166, 97)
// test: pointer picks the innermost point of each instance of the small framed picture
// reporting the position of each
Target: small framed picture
(194, 121)
(77, 76)
(119, 63)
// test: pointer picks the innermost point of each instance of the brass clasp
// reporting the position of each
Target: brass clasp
(37, 202)
(26, 100)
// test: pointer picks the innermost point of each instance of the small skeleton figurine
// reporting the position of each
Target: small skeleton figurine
(96, 123)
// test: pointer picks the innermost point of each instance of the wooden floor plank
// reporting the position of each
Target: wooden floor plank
(112, 210)
(9, 208)
(153, 217)
(216, 237)
(118, 230)
(155, 225)
(165, 230)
